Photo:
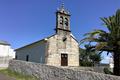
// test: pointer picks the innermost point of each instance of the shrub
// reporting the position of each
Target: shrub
(107, 71)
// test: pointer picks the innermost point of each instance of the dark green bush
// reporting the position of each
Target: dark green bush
(107, 71)
(86, 63)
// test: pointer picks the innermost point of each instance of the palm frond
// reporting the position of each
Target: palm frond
(118, 43)
(100, 45)
(117, 17)
(107, 22)
(90, 39)
(95, 32)
(86, 40)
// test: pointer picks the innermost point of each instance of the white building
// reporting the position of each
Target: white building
(6, 53)
(111, 63)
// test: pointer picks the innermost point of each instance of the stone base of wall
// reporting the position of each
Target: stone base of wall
(4, 61)
(45, 72)
(98, 69)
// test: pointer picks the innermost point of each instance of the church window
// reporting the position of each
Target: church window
(61, 20)
(15, 56)
(27, 57)
(64, 39)
(66, 22)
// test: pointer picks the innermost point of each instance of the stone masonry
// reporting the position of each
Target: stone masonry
(60, 49)
(56, 47)
(45, 72)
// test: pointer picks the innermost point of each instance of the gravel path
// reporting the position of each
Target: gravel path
(4, 77)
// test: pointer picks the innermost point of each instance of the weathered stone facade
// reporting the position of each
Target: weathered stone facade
(45, 72)
(61, 49)
(56, 47)
(63, 43)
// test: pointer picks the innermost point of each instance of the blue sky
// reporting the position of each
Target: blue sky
(26, 21)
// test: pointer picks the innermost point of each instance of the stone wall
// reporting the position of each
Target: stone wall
(98, 69)
(46, 72)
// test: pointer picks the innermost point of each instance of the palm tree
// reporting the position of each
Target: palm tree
(107, 40)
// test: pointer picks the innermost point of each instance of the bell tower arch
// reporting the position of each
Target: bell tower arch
(62, 20)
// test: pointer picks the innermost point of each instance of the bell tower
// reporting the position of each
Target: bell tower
(62, 20)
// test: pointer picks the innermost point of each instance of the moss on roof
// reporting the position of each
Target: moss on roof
(4, 42)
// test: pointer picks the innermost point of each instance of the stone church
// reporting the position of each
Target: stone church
(60, 49)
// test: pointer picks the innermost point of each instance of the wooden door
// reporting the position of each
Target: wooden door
(64, 59)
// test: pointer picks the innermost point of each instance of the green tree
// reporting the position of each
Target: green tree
(95, 58)
(107, 40)
(89, 58)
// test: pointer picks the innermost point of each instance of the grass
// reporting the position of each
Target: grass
(16, 75)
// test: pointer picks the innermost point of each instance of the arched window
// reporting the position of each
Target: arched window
(66, 22)
(61, 20)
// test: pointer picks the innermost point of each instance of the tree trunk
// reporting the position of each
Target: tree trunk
(116, 69)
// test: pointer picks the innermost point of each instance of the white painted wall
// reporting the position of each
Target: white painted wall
(36, 52)
(111, 63)
(6, 51)
(6, 54)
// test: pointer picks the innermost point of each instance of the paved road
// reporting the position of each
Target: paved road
(4, 77)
